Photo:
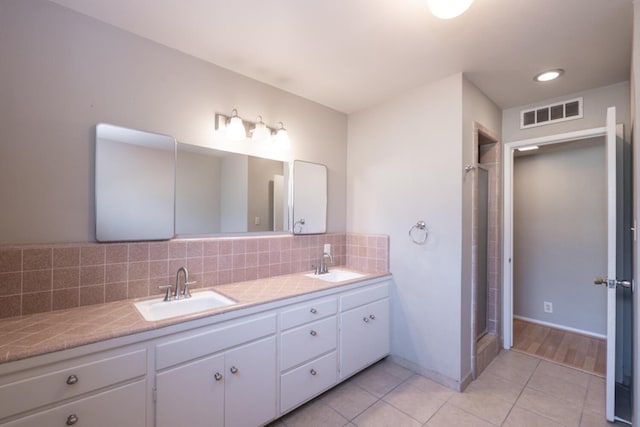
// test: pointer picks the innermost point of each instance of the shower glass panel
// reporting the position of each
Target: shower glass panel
(482, 252)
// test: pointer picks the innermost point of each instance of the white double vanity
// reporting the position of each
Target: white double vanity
(244, 366)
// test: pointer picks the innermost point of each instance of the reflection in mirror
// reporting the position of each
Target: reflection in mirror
(309, 198)
(219, 192)
(134, 184)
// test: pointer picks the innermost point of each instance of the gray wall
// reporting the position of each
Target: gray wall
(405, 161)
(62, 72)
(261, 172)
(560, 235)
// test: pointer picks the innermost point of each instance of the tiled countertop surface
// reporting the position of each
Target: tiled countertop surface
(27, 336)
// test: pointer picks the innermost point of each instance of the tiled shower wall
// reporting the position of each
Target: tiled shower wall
(40, 278)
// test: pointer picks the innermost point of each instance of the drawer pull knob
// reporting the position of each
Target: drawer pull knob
(365, 319)
(372, 317)
(218, 376)
(234, 370)
(72, 419)
(313, 333)
(313, 372)
(313, 311)
(71, 380)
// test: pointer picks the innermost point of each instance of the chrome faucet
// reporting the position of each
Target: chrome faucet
(322, 268)
(185, 293)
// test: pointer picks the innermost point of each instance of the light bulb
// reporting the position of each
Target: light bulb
(235, 128)
(282, 137)
(260, 132)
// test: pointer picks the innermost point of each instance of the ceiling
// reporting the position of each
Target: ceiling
(352, 54)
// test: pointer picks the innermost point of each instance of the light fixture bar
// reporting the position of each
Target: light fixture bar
(531, 148)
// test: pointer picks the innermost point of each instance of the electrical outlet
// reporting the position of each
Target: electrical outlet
(548, 307)
(256, 221)
(327, 248)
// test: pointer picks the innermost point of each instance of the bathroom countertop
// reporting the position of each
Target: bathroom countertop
(36, 334)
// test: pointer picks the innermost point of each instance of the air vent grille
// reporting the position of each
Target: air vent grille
(567, 110)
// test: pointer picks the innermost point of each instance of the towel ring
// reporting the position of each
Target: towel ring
(422, 228)
(299, 223)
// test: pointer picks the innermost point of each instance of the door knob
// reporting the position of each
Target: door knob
(612, 283)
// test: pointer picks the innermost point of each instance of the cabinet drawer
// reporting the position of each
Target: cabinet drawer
(364, 296)
(308, 312)
(307, 381)
(193, 345)
(123, 406)
(308, 341)
(70, 381)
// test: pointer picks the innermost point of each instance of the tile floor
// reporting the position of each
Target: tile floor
(515, 390)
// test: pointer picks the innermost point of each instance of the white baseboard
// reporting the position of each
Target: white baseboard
(564, 328)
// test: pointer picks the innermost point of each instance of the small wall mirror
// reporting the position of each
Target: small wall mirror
(219, 192)
(134, 184)
(309, 198)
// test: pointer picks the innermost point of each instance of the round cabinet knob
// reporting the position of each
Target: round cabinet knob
(313, 372)
(71, 380)
(234, 370)
(218, 376)
(365, 319)
(313, 333)
(72, 419)
(313, 311)
(372, 317)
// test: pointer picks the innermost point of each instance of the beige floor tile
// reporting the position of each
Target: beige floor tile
(314, 414)
(436, 390)
(558, 387)
(482, 405)
(590, 419)
(376, 381)
(549, 406)
(384, 415)
(451, 416)
(496, 386)
(349, 400)
(573, 376)
(596, 396)
(413, 401)
(519, 417)
(394, 369)
(513, 366)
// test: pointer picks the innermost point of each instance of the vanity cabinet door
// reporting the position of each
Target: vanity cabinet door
(250, 396)
(192, 394)
(364, 336)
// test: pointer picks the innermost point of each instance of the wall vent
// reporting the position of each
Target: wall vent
(554, 113)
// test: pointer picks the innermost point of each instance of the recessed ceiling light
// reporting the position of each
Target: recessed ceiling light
(532, 147)
(549, 75)
(447, 9)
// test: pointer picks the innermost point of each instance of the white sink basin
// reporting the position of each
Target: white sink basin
(336, 275)
(157, 309)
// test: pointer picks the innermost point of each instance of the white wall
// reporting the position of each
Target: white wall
(403, 162)
(596, 101)
(62, 72)
(560, 222)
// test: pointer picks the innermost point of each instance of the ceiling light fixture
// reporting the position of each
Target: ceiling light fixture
(531, 148)
(447, 9)
(547, 76)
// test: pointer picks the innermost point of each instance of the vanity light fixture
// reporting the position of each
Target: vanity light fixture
(447, 9)
(260, 132)
(547, 76)
(282, 137)
(235, 127)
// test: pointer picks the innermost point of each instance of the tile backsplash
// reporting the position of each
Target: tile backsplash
(40, 278)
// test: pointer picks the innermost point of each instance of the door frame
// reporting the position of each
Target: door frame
(507, 222)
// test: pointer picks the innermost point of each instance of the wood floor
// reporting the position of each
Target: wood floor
(567, 348)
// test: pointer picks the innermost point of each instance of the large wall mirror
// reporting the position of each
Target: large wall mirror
(218, 192)
(134, 184)
(148, 187)
(309, 198)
